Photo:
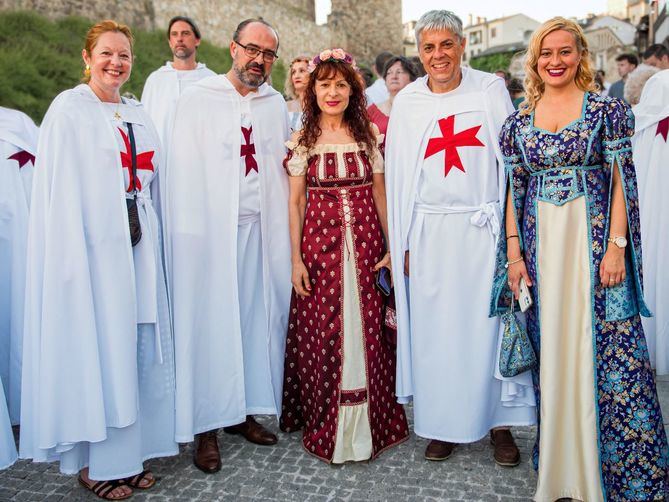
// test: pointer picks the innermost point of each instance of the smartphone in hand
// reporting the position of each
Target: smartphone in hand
(524, 296)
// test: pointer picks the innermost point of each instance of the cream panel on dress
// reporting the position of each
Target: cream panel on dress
(568, 451)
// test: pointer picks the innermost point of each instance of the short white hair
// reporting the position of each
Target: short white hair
(439, 20)
(636, 79)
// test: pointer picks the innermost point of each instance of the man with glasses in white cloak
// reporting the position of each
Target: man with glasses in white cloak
(227, 248)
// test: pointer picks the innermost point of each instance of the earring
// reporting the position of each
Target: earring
(87, 71)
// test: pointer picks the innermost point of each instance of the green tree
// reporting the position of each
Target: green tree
(492, 62)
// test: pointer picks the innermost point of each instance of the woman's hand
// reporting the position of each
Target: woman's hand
(300, 280)
(385, 262)
(516, 271)
(612, 268)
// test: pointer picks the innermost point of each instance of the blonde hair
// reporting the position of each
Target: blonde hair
(96, 31)
(534, 86)
(289, 88)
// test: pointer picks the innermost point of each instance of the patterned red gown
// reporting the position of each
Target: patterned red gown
(339, 381)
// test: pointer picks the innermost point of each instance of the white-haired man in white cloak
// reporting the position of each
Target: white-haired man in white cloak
(651, 151)
(164, 86)
(445, 180)
(228, 251)
(18, 145)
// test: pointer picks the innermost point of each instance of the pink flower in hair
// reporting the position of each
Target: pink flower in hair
(338, 54)
(325, 55)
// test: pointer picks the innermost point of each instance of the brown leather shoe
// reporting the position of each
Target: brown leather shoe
(253, 432)
(506, 452)
(206, 455)
(439, 450)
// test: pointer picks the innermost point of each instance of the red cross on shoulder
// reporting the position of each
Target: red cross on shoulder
(450, 141)
(22, 157)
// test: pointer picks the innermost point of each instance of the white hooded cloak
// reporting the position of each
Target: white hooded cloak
(201, 226)
(18, 145)
(80, 364)
(650, 146)
(162, 90)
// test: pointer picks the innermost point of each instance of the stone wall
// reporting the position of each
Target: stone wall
(137, 13)
(363, 27)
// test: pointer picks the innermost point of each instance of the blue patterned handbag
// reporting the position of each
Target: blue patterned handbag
(516, 354)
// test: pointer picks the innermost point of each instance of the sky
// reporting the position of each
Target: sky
(540, 10)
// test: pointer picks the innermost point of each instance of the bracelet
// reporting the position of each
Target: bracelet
(512, 236)
(514, 261)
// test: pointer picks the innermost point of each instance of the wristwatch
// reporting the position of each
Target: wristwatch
(621, 242)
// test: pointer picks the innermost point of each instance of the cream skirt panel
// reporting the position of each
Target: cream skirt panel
(568, 449)
(354, 435)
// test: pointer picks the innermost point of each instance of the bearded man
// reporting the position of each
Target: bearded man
(226, 208)
(164, 86)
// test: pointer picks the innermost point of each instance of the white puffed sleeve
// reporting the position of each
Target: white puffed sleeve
(295, 162)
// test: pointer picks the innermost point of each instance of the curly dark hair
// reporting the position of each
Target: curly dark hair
(355, 115)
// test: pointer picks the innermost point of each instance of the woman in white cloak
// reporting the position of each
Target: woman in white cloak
(650, 145)
(98, 366)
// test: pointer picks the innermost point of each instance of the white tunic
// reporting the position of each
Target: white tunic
(377, 92)
(162, 89)
(651, 151)
(18, 145)
(202, 226)
(445, 182)
(97, 365)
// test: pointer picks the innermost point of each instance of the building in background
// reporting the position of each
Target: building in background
(659, 22)
(608, 36)
(409, 48)
(501, 35)
(630, 10)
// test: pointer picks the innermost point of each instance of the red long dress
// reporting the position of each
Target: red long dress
(339, 381)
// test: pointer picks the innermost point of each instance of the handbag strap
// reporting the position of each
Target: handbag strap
(133, 150)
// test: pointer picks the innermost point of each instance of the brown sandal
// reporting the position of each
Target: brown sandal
(136, 480)
(104, 489)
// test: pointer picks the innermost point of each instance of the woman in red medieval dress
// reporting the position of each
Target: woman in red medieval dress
(339, 383)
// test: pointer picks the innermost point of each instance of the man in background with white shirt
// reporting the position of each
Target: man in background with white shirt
(167, 83)
(377, 92)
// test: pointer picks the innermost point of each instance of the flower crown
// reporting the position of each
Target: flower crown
(334, 56)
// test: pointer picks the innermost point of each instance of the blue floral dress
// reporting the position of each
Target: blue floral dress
(554, 177)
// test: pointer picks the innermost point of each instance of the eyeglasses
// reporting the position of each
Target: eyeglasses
(396, 73)
(252, 52)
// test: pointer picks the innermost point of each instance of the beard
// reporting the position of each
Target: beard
(250, 79)
(182, 53)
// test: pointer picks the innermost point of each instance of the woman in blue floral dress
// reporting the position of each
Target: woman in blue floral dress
(572, 207)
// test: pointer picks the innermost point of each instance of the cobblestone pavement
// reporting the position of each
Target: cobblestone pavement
(286, 472)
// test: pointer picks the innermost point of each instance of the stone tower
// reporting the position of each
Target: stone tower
(368, 27)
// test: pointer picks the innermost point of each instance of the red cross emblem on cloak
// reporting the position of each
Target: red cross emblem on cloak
(248, 151)
(449, 143)
(22, 157)
(663, 128)
(143, 162)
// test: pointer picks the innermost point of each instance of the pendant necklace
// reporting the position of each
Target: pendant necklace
(117, 115)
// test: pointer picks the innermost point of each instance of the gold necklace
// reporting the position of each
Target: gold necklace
(117, 115)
